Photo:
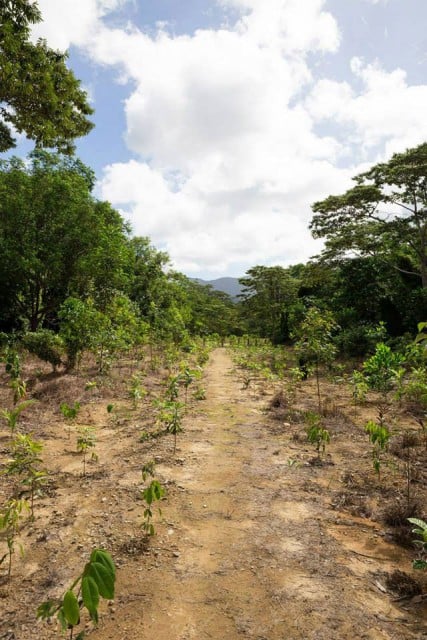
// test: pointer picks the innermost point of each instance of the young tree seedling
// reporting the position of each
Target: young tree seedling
(316, 434)
(12, 415)
(70, 414)
(150, 494)
(10, 518)
(96, 581)
(86, 440)
(19, 388)
(25, 462)
(136, 390)
(379, 436)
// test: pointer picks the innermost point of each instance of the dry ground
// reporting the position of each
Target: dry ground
(257, 539)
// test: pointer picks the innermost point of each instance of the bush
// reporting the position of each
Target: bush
(46, 345)
(358, 340)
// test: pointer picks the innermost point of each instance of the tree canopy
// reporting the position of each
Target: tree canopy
(268, 295)
(383, 215)
(56, 240)
(39, 95)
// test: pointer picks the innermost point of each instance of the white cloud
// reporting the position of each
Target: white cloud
(386, 111)
(229, 160)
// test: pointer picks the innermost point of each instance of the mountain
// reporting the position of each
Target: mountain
(228, 285)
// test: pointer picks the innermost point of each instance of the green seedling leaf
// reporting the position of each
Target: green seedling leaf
(103, 578)
(62, 619)
(104, 558)
(90, 595)
(71, 608)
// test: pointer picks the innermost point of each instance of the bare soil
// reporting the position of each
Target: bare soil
(258, 538)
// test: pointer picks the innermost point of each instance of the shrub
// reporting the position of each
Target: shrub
(46, 345)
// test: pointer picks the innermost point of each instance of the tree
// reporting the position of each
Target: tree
(56, 240)
(39, 95)
(384, 215)
(267, 297)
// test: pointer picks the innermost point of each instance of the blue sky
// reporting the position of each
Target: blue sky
(219, 122)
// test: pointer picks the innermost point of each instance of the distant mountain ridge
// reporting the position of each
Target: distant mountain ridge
(228, 285)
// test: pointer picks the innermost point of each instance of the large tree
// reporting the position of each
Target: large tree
(56, 239)
(39, 95)
(268, 295)
(384, 215)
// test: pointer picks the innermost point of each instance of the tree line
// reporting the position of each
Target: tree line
(69, 257)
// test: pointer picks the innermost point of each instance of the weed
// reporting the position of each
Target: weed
(420, 530)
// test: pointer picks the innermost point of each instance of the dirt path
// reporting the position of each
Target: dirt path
(250, 544)
(251, 547)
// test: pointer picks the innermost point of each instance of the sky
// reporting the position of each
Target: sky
(219, 122)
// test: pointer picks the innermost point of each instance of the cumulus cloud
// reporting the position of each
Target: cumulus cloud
(225, 126)
(385, 111)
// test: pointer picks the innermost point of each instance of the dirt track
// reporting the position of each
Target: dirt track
(250, 545)
(252, 548)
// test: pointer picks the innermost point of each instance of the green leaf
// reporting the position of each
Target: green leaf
(420, 523)
(103, 557)
(420, 565)
(62, 619)
(46, 609)
(71, 608)
(90, 595)
(103, 578)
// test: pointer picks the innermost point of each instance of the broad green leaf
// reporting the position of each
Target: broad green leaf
(71, 608)
(103, 578)
(103, 557)
(90, 595)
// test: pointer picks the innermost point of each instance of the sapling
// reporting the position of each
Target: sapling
(10, 517)
(379, 436)
(150, 494)
(86, 440)
(19, 388)
(382, 370)
(11, 416)
(315, 343)
(13, 363)
(360, 387)
(187, 377)
(96, 581)
(136, 390)
(172, 389)
(25, 462)
(172, 419)
(70, 414)
(316, 434)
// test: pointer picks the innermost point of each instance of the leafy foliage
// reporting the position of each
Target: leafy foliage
(39, 95)
(95, 582)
